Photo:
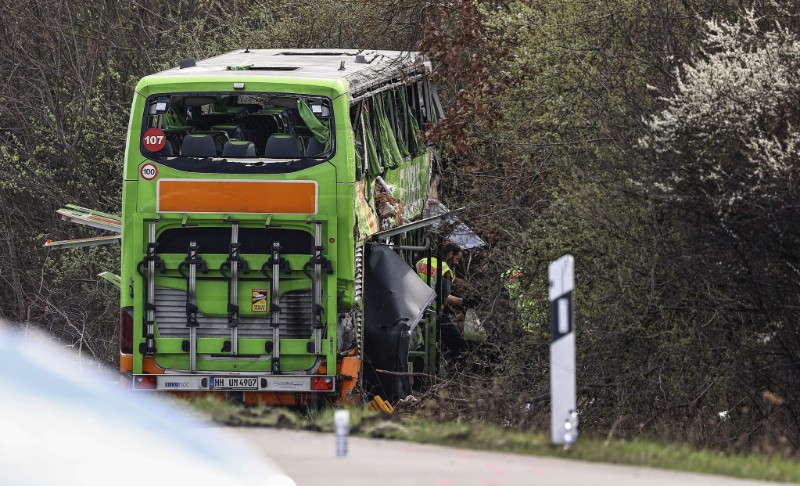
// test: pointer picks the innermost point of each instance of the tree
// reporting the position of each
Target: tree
(725, 156)
(553, 164)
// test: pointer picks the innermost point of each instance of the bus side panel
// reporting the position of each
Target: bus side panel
(345, 244)
(410, 184)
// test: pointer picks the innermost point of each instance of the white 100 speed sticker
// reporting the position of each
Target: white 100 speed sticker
(149, 172)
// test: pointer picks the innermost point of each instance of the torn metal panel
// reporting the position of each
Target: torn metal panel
(90, 217)
(460, 233)
(83, 242)
(112, 278)
(420, 223)
(437, 103)
(395, 299)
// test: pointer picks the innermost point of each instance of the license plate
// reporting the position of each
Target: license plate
(234, 383)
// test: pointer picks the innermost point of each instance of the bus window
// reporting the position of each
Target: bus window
(237, 126)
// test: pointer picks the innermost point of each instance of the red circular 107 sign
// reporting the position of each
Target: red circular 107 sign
(149, 172)
(154, 139)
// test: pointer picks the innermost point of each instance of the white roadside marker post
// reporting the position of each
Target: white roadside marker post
(341, 425)
(563, 414)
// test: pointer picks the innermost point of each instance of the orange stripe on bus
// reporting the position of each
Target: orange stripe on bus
(268, 197)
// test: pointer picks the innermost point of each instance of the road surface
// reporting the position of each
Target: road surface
(309, 458)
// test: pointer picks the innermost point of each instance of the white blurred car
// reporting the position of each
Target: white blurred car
(63, 424)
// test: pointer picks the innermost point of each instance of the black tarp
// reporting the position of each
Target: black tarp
(395, 299)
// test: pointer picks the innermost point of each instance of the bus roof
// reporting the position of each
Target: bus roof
(360, 68)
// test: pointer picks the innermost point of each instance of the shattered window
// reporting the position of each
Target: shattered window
(238, 126)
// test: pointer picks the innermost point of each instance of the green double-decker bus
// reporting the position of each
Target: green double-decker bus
(272, 201)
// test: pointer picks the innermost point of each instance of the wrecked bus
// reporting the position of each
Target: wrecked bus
(271, 202)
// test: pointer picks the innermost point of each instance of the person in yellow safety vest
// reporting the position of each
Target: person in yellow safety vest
(452, 339)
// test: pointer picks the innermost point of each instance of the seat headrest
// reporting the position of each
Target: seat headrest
(167, 150)
(198, 146)
(315, 147)
(239, 148)
(283, 146)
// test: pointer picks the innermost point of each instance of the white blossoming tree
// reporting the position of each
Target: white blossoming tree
(729, 136)
(726, 151)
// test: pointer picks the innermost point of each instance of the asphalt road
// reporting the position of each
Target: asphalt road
(309, 458)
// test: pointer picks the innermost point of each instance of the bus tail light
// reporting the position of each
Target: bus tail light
(126, 330)
(322, 383)
(144, 382)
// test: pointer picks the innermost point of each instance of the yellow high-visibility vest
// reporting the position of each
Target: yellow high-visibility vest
(422, 270)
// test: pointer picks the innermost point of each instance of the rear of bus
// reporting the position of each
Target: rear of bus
(238, 240)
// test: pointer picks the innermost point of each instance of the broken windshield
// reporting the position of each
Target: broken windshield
(237, 126)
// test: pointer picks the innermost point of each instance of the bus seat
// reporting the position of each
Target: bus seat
(233, 131)
(174, 119)
(283, 146)
(257, 128)
(167, 151)
(314, 147)
(202, 122)
(284, 118)
(219, 137)
(239, 148)
(199, 145)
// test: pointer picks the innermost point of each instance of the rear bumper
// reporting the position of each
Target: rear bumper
(235, 382)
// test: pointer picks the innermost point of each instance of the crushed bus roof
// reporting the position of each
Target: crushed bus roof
(361, 67)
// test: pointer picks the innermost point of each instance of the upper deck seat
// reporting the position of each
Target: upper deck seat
(220, 138)
(199, 145)
(233, 130)
(203, 122)
(284, 146)
(176, 136)
(167, 151)
(239, 148)
(257, 128)
(282, 115)
(314, 147)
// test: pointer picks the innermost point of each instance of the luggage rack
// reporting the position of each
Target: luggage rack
(231, 269)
